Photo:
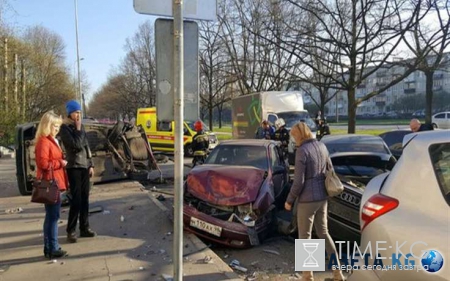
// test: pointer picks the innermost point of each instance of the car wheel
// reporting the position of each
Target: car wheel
(435, 126)
(188, 150)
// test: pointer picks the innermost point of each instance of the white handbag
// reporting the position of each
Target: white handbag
(332, 182)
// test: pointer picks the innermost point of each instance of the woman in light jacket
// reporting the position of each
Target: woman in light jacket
(308, 188)
(50, 165)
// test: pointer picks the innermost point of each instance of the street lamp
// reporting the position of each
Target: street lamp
(80, 94)
(75, 79)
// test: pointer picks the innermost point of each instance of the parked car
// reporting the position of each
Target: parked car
(118, 151)
(410, 206)
(441, 120)
(233, 197)
(356, 160)
(394, 140)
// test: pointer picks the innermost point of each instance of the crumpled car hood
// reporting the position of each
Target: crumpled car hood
(225, 185)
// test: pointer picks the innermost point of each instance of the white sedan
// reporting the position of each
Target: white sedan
(405, 215)
(441, 120)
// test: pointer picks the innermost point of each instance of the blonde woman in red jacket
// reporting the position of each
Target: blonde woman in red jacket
(49, 157)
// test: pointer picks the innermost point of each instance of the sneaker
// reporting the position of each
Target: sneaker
(72, 237)
(87, 233)
(57, 254)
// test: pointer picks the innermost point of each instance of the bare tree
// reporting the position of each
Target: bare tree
(257, 64)
(428, 40)
(362, 36)
(214, 62)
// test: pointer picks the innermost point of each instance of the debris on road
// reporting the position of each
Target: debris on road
(167, 277)
(106, 212)
(141, 268)
(95, 209)
(235, 264)
(207, 259)
(14, 210)
(131, 208)
(122, 218)
(271, 252)
(161, 197)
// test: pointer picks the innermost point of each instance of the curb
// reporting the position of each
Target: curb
(202, 247)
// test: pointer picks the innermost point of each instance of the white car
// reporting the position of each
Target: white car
(405, 215)
(441, 120)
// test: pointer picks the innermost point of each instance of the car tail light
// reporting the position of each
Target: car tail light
(376, 206)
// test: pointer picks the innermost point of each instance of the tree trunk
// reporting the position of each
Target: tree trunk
(428, 96)
(219, 110)
(210, 113)
(351, 107)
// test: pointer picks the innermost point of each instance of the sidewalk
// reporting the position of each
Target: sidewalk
(137, 247)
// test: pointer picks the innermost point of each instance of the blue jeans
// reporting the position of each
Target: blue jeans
(51, 227)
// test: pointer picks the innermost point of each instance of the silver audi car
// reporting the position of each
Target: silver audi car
(356, 159)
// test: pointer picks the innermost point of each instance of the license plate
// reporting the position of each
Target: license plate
(343, 212)
(207, 227)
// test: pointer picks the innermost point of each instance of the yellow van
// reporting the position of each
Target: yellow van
(161, 134)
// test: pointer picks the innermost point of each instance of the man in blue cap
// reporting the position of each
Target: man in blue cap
(79, 169)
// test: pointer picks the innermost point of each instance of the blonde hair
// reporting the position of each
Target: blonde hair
(45, 125)
(301, 132)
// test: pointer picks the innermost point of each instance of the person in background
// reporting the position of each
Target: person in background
(79, 170)
(282, 134)
(416, 126)
(309, 190)
(322, 129)
(266, 131)
(200, 143)
(318, 117)
(50, 165)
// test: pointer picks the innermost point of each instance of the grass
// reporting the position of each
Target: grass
(373, 132)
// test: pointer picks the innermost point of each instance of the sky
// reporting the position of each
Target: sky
(103, 27)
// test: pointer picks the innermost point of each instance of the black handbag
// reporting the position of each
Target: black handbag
(45, 191)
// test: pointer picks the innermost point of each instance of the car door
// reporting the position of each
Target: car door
(279, 179)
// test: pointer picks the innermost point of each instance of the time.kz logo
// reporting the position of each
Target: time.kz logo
(310, 255)
(432, 261)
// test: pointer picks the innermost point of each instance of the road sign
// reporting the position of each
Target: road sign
(192, 9)
(165, 71)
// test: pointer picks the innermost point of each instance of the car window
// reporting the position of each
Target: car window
(367, 145)
(234, 155)
(274, 159)
(440, 116)
(272, 118)
(440, 157)
(292, 118)
(191, 125)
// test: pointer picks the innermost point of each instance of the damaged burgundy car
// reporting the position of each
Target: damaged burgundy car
(233, 197)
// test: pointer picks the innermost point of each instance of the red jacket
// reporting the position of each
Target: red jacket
(49, 154)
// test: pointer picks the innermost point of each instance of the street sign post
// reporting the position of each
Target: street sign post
(165, 71)
(192, 9)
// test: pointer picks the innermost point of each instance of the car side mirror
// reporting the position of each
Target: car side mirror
(278, 170)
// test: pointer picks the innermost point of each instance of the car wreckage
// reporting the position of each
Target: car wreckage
(119, 151)
(232, 198)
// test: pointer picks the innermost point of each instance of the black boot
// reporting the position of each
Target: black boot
(72, 237)
(87, 233)
(57, 254)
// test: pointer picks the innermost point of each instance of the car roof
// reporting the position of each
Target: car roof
(427, 137)
(247, 142)
(441, 112)
(349, 137)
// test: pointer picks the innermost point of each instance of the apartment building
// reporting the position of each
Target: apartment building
(413, 84)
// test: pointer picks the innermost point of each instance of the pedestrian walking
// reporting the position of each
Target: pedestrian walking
(309, 190)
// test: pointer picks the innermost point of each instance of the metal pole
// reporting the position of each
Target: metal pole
(178, 59)
(79, 97)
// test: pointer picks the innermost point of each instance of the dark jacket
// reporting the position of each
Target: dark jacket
(282, 135)
(78, 153)
(200, 141)
(309, 174)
